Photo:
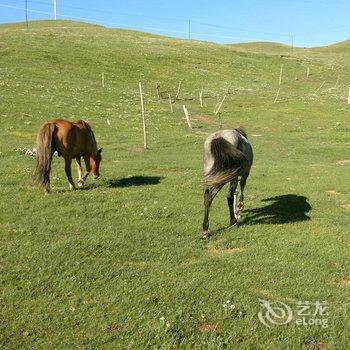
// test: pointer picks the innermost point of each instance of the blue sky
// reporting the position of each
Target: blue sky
(309, 22)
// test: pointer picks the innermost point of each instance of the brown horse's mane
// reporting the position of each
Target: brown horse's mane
(242, 132)
(93, 140)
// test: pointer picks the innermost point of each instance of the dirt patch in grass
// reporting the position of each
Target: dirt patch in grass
(202, 132)
(200, 121)
(343, 162)
(137, 263)
(137, 149)
(202, 118)
(206, 328)
(23, 135)
(267, 294)
(215, 251)
(164, 170)
(118, 328)
(346, 206)
(333, 192)
(314, 345)
(189, 261)
(344, 282)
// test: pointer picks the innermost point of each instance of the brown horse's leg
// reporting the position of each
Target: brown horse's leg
(230, 200)
(68, 162)
(80, 169)
(88, 169)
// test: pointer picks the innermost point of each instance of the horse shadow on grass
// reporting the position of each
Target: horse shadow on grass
(284, 209)
(123, 182)
(134, 181)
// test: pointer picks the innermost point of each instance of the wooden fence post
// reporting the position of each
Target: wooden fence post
(143, 118)
(201, 98)
(222, 101)
(320, 87)
(217, 112)
(158, 91)
(178, 92)
(281, 72)
(171, 104)
(278, 92)
(187, 115)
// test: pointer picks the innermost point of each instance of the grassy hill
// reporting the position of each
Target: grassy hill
(121, 264)
(335, 54)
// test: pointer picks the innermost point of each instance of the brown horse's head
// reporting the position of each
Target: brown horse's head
(95, 164)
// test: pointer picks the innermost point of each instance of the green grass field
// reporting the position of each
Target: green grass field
(121, 264)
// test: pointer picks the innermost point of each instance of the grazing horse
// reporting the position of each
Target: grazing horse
(228, 157)
(70, 140)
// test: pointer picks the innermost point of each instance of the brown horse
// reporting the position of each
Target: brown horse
(70, 140)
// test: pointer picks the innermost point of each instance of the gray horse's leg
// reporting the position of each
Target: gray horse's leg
(242, 184)
(209, 195)
(230, 201)
(207, 202)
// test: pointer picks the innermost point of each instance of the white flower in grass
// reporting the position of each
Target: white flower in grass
(229, 306)
(165, 207)
(141, 214)
(162, 318)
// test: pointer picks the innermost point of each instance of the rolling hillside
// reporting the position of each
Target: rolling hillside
(332, 55)
(121, 264)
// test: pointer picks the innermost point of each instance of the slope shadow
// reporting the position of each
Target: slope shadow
(134, 181)
(282, 209)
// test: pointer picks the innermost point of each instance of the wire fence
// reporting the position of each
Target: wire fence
(180, 27)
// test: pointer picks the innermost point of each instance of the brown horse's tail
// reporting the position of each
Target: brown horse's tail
(45, 149)
(228, 163)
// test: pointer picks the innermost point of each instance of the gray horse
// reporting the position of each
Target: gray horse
(228, 157)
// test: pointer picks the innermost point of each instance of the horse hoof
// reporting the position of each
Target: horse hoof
(72, 188)
(80, 183)
(240, 206)
(206, 234)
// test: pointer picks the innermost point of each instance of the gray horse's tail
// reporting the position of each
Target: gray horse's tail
(45, 149)
(228, 163)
